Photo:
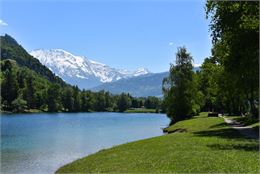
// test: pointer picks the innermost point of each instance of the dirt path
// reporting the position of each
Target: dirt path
(245, 130)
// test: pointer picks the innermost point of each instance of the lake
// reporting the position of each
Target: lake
(42, 142)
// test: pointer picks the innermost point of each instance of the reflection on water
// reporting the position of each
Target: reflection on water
(41, 143)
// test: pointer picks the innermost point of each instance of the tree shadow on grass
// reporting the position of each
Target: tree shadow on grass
(220, 125)
(177, 130)
(226, 133)
(245, 147)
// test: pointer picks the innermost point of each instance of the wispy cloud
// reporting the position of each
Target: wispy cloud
(196, 65)
(170, 43)
(2, 23)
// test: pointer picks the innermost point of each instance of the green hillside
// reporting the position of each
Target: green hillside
(10, 49)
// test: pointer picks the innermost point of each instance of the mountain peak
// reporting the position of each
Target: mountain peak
(141, 71)
(81, 71)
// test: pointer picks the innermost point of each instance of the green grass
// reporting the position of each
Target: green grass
(143, 110)
(33, 111)
(199, 145)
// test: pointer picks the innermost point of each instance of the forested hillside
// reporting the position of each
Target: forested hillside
(10, 49)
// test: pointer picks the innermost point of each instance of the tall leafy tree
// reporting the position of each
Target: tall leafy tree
(178, 89)
(19, 105)
(235, 31)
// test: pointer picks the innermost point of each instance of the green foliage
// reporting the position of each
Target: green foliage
(76, 98)
(99, 101)
(9, 86)
(124, 102)
(152, 102)
(141, 110)
(53, 100)
(86, 101)
(209, 79)
(29, 92)
(179, 88)
(68, 100)
(235, 31)
(19, 105)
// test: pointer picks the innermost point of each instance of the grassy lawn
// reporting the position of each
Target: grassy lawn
(143, 110)
(199, 145)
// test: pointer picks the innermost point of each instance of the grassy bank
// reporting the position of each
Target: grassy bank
(25, 111)
(199, 145)
(143, 110)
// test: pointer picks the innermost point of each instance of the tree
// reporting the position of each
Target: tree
(30, 92)
(100, 101)
(123, 102)
(19, 105)
(151, 103)
(68, 100)
(9, 86)
(209, 78)
(178, 89)
(53, 100)
(235, 31)
(135, 103)
(86, 101)
(76, 97)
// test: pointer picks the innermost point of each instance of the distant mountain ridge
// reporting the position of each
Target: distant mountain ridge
(81, 71)
(142, 86)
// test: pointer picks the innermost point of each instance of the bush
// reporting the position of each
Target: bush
(19, 105)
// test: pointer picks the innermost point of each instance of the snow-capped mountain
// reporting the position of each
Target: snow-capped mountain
(81, 71)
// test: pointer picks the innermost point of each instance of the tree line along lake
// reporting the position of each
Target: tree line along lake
(43, 142)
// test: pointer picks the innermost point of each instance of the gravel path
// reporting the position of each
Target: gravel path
(245, 130)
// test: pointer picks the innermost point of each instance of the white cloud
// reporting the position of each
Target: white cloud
(196, 65)
(170, 43)
(2, 23)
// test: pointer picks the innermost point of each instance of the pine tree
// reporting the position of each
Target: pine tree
(9, 87)
(53, 100)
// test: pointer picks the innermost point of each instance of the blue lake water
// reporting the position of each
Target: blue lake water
(41, 143)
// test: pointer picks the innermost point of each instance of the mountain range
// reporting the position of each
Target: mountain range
(57, 65)
(89, 74)
(141, 86)
(81, 71)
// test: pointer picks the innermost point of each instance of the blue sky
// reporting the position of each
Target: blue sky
(121, 34)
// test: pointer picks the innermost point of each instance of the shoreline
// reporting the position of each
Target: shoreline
(129, 111)
(140, 156)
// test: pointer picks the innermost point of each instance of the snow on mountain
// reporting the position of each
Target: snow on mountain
(81, 71)
(141, 71)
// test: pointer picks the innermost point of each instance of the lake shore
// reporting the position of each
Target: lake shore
(211, 147)
(136, 110)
